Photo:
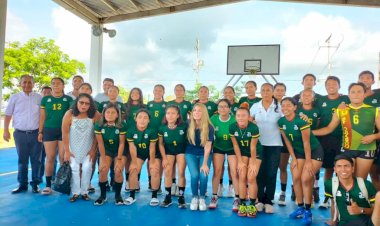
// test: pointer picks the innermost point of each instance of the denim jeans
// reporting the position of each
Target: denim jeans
(198, 178)
(266, 179)
(28, 147)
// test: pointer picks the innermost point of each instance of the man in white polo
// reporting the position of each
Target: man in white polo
(24, 108)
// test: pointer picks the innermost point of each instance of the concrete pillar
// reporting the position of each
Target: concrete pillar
(3, 22)
(96, 53)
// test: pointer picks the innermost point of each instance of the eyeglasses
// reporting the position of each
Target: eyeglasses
(84, 103)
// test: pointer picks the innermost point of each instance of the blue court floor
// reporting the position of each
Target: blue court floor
(35, 209)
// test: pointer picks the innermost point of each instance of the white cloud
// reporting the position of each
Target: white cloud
(73, 34)
(16, 28)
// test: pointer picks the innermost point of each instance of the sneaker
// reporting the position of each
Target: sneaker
(129, 201)
(167, 201)
(220, 190)
(202, 204)
(293, 197)
(297, 213)
(307, 217)
(242, 211)
(154, 202)
(47, 191)
(35, 188)
(119, 201)
(235, 205)
(230, 191)
(316, 194)
(259, 206)
(325, 204)
(251, 211)
(213, 202)
(268, 208)
(100, 201)
(127, 189)
(281, 200)
(91, 189)
(173, 188)
(181, 202)
(194, 204)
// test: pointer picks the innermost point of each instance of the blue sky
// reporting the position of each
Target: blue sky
(161, 49)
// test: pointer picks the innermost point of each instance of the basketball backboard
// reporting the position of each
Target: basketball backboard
(262, 59)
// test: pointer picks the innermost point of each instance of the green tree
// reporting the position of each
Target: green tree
(191, 95)
(124, 93)
(38, 57)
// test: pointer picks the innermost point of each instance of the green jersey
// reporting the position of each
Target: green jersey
(211, 107)
(132, 115)
(327, 109)
(357, 123)
(174, 139)
(234, 108)
(184, 107)
(244, 137)
(157, 113)
(312, 114)
(343, 196)
(120, 105)
(222, 132)
(373, 100)
(249, 101)
(111, 137)
(293, 131)
(142, 139)
(55, 109)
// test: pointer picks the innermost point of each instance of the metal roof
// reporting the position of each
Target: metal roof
(110, 11)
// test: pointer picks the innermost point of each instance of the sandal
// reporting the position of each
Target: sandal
(85, 197)
(47, 191)
(74, 198)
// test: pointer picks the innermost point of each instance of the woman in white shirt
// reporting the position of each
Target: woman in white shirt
(266, 114)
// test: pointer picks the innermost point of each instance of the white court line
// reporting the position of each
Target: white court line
(9, 173)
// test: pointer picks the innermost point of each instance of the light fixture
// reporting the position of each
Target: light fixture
(111, 32)
(98, 29)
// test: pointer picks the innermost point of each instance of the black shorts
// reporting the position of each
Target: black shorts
(316, 154)
(246, 154)
(52, 134)
(377, 155)
(219, 151)
(158, 153)
(331, 147)
(111, 154)
(284, 149)
(359, 154)
(126, 150)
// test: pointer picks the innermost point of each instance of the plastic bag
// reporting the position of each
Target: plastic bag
(62, 181)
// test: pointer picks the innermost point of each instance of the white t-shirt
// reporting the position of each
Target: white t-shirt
(267, 122)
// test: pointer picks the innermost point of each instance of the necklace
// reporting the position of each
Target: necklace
(172, 127)
(243, 133)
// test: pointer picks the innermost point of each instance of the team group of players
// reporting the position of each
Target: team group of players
(256, 135)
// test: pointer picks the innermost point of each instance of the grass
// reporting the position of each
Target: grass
(3, 143)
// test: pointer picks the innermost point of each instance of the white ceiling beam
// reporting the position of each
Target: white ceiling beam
(110, 5)
(80, 10)
(167, 10)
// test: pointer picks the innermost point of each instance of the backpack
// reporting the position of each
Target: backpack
(335, 185)
(62, 182)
